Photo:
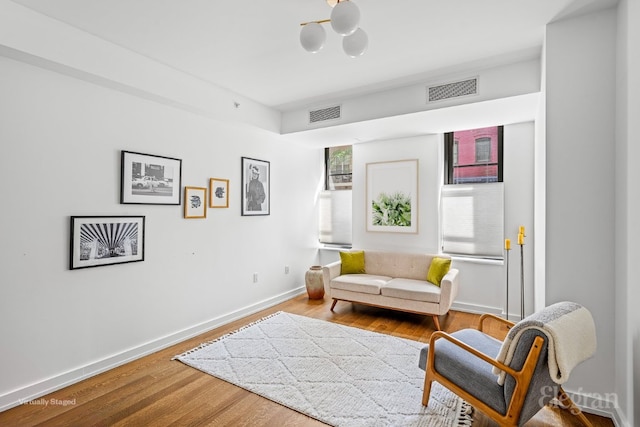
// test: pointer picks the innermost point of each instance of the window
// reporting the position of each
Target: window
(473, 156)
(483, 150)
(335, 206)
(472, 199)
(455, 152)
(338, 167)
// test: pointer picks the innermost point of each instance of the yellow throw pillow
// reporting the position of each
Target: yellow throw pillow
(437, 270)
(352, 262)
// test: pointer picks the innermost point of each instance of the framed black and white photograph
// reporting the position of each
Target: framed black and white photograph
(392, 196)
(255, 187)
(195, 202)
(218, 193)
(149, 179)
(106, 240)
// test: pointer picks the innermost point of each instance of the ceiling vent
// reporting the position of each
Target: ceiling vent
(324, 114)
(452, 90)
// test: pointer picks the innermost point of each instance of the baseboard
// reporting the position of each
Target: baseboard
(482, 309)
(598, 404)
(475, 308)
(31, 392)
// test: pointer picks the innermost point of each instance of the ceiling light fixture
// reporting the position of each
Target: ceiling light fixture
(345, 20)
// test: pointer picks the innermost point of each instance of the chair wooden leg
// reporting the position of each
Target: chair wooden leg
(566, 401)
(334, 304)
(436, 321)
(427, 390)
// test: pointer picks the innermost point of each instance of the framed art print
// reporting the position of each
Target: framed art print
(218, 193)
(392, 196)
(150, 180)
(105, 240)
(255, 187)
(195, 202)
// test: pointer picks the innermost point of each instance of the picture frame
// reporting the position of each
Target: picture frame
(97, 241)
(256, 181)
(195, 202)
(148, 179)
(392, 196)
(218, 193)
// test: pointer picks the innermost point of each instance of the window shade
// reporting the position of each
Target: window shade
(473, 219)
(335, 217)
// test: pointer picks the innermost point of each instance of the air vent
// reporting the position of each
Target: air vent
(324, 114)
(452, 90)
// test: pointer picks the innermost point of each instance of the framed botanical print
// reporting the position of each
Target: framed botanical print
(195, 202)
(392, 196)
(255, 187)
(218, 193)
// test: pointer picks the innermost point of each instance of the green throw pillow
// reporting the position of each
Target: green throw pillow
(438, 268)
(352, 262)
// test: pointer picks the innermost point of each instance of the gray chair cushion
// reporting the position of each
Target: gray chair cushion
(472, 374)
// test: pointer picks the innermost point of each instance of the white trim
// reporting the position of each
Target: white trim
(475, 308)
(476, 260)
(597, 405)
(49, 385)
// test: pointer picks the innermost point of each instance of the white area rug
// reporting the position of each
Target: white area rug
(340, 375)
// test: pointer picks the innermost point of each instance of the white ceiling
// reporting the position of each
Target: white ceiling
(252, 47)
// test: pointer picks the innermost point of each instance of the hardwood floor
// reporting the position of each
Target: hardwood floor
(155, 390)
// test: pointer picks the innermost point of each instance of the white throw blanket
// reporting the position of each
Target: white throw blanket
(571, 335)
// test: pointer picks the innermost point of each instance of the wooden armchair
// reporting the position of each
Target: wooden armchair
(464, 363)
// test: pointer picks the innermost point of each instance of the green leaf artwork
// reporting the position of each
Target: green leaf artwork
(392, 210)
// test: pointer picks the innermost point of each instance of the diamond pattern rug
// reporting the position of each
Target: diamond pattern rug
(340, 375)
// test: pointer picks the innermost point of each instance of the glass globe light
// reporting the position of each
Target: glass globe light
(355, 44)
(345, 17)
(312, 37)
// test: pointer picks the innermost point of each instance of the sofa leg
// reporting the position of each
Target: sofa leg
(436, 321)
(335, 301)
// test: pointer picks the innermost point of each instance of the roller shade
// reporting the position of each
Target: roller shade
(473, 219)
(335, 217)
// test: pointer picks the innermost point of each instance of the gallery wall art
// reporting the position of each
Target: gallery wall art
(149, 179)
(218, 193)
(255, 187)
(105, 240)
(195, 202)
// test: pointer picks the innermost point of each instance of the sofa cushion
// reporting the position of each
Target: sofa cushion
(416, 290)
(352, 262)
(438, 269)
(398, 264)
(365, 283)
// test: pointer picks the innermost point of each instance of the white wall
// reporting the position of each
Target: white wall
(61, 141)
(632, 340)
(580, 186)
(427, 149)
(627, 318)
(482, 283)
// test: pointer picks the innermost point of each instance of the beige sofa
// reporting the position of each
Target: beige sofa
(394, 280)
